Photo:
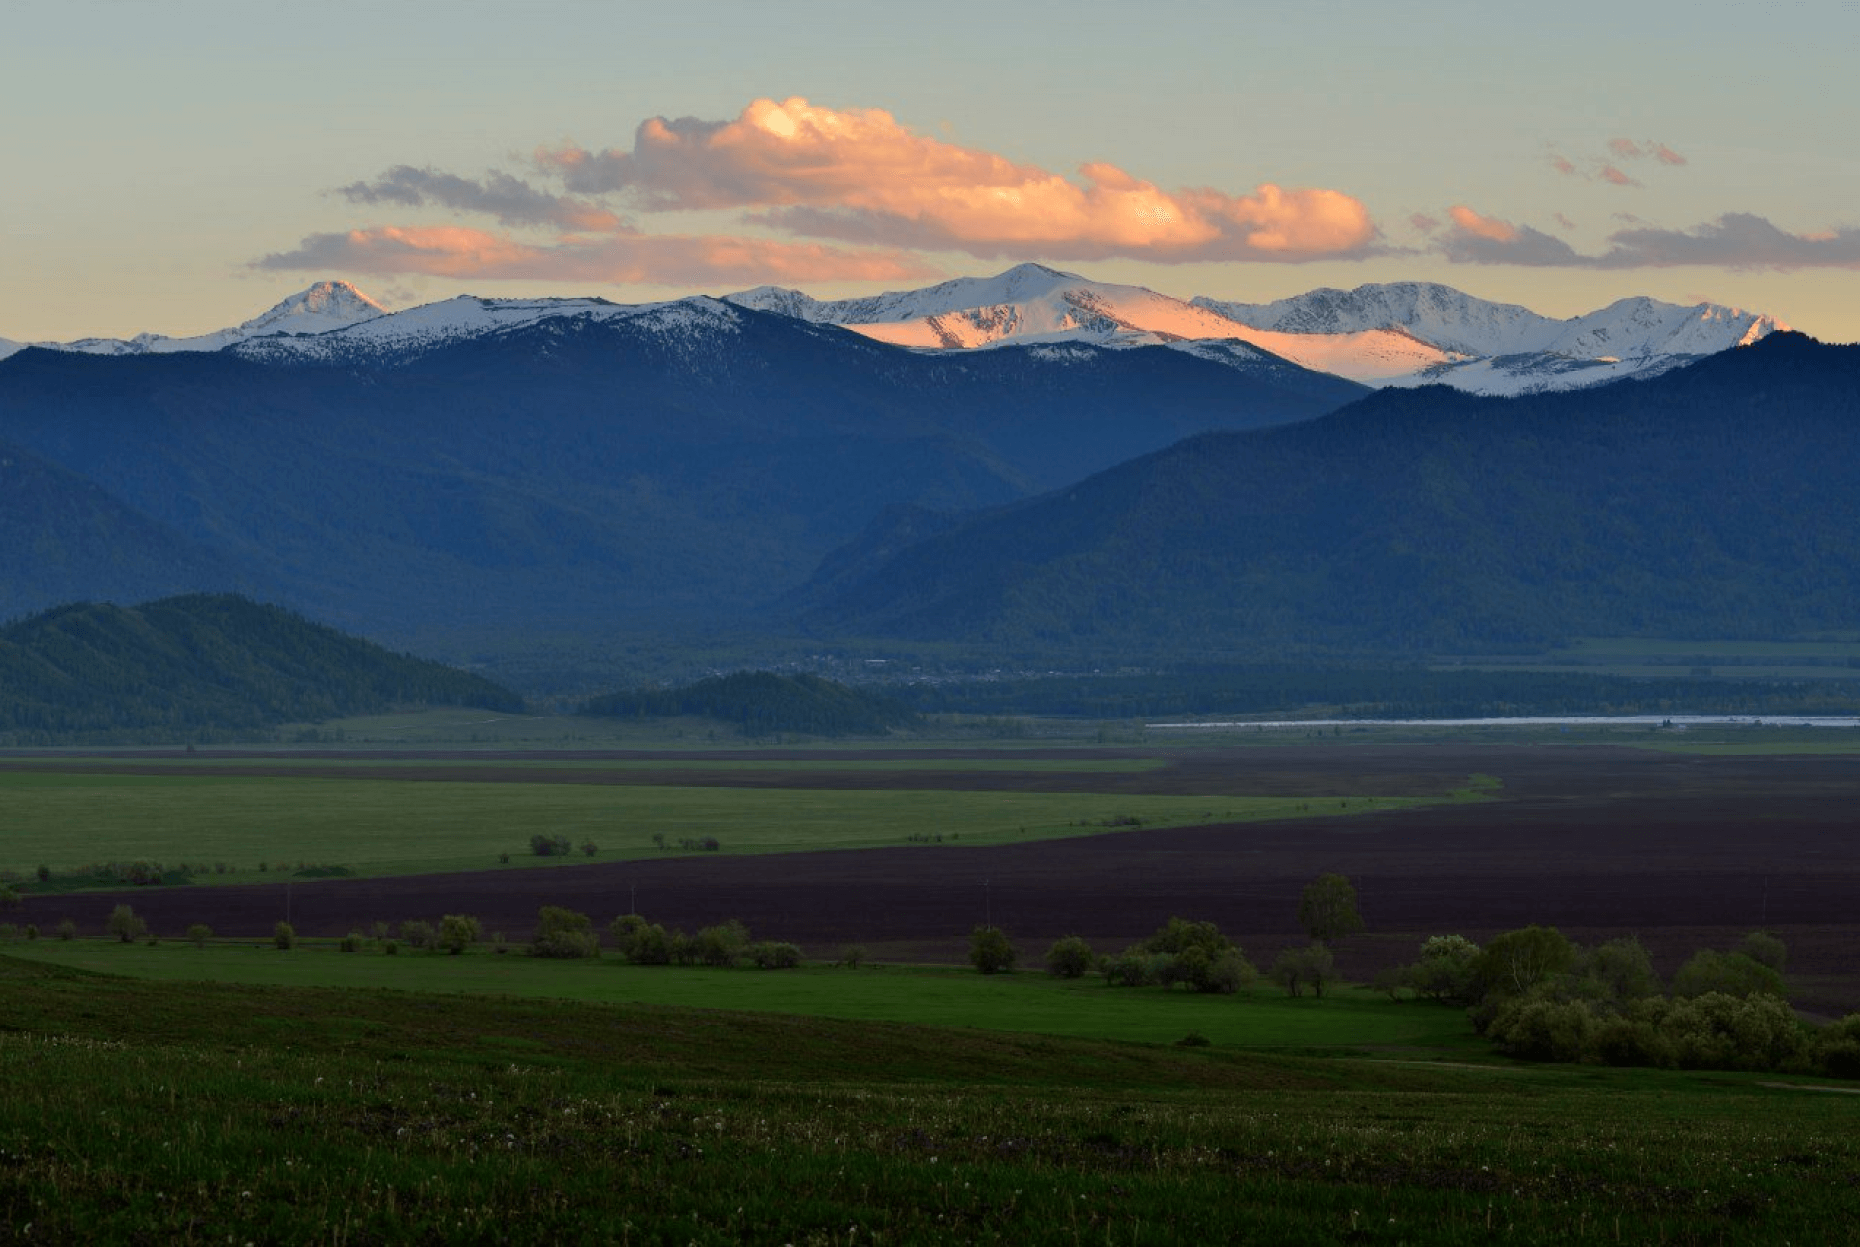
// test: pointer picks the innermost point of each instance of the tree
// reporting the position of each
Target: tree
(417, 933)
(1620, 970)
(9, 897)
(284, 935)
(722, 944)
(990, 951)
(564, 933)
(1447, 970)
(1068, 958)
(124, 925)
(1517, 961)
(1298, 968)
(1327, 910)
(1761, 946)
(457, 932)
(1732, 974)
(200, 933)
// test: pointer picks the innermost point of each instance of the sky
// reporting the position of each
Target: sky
(177, 167)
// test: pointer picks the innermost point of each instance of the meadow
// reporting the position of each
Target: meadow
(383, 819)
(171, 1112)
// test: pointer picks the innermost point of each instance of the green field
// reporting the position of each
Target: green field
(1025, 1002)
(174, 1112)
(68, 820)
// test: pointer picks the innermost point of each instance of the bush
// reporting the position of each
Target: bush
(774, 955)
(1539, 1028)
(1516, 961)
(9, 897)
(1620, 971)
(390, 948)
(32, 930)
(641, 942)
(284, 935)
(589, 848)
(1298, 968)
(1730, 974)
(199, 933)
(1447, 970)
(1765, 949)
(123, 924)
(67, 929)
(564, 933)
(852, 956)
(549, 846)
(8, 931)
(1069, 958)
(1132, 968)
(722, 944)
(990, 950)
(458, 932)
(417, 934)
(350, 943)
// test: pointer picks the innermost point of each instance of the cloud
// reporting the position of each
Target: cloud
(1737, 240)
(1562, 164)
(511, 200)
(1476, 239)
(1615, 177)
(1424, 223)
(1564, 221)
(1626, 149)
(858, 174)
(625, 258)
(1666, 155)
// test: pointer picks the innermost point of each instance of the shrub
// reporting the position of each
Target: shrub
(1620, 971)
(390, 948)
(1719, 1031)
(9, 897)
(1298, 968)
(1836, 1049)
(1327, 909)
(640, 942)
(990, 951)
(589, 848)
(498, 943)
(1069, 958)
(1447, 970)
(1731, 974)
(1227, 974)
(1538, 1028)
(199, 933)
(44, 873)
(1765, 949)
(8, 931)
(564, 933)
(124, 925)
(774, 955)
(852, 956)
(1516, 961)
(67, 929)
(284, 935)
(722, 944)
(32, 930)
(417, 934)
(549, 846)
(350, 943)
(1131, 968)
(458, 932)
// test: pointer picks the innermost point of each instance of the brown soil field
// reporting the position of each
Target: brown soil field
(1684, 851)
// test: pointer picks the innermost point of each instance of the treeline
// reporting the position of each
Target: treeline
(1538, 996)
(1377, 692)
(762, 703)
(202, 666)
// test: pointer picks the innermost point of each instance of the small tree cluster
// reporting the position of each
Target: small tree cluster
(1297, 969)
(990, 950)
(1069, 958)
(1194, 954)
(726, 944)
(457, 932)
(564, 933)
(122, 923)
(549, 846)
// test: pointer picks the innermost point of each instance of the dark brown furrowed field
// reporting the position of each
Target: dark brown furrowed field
(1685, 851)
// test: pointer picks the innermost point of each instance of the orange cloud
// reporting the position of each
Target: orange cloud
(859, 174)
(625, 259)
(1615, 177)
(1489, 228)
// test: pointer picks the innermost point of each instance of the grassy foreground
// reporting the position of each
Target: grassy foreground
(167, 1112)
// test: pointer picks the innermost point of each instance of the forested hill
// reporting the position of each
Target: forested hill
(203, 665)
(761, 702)
(1719, 500)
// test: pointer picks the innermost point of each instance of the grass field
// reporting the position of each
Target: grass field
(1030, 1001)
(381, 827)
(171, 1112)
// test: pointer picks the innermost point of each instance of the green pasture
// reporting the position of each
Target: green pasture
(174, 1112)
(1027, 1002)
(388, 763)
(389, 827)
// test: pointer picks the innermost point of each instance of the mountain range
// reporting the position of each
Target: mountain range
(1026, 458)
(1719, 500)
(1404, 333)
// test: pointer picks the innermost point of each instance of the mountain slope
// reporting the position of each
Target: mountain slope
(204, 663)
(570, 462)
(1720, 500)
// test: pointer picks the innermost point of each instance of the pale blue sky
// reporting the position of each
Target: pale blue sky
(155, 152)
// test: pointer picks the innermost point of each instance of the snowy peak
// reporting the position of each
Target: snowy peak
(325, 306)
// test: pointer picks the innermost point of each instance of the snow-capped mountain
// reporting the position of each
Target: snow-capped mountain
(325, 306)
(431, 326)
(1502, 348)
(1403, 334)
(1031, 303)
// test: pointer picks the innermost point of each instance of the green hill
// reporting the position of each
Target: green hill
(761, 702)
(203, 665)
